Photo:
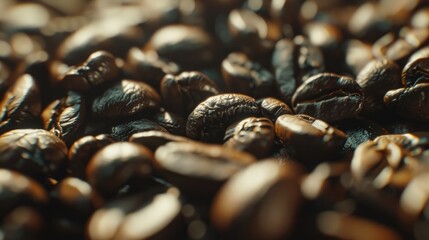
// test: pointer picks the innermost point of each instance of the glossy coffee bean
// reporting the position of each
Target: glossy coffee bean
(154, 139)
(329, 97)
(116, 165)
(20, 105)
(34, 152)
(199, 169)
(182, 93)
(409, 102)
(173, 123)
(148, 67)
(257, 193)
(82, 150)
(122, 218)
(273, 108)
(301, 132)
(415, 71)
(100, 68)
(210, 118)
(188, 46)
(126, 98)
(375, 79)
(65, 117)
(124, 130)
(241, 75)
(294, 61)
(252, 135)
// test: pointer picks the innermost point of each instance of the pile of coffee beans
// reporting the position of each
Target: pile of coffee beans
(214, 119)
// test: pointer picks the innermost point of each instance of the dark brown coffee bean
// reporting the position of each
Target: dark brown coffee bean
(273, 108)
(82, 150)
(155, 139)
(252, 135)
(375, 79)
(123, 131)
(126, 98)
(188, 46)
(116, 165)
(173, 123)
(34, 152)
(19, 190)
(65, 117)
(241, 75)
(210, 118)
(199, 169)
(299, 133)
(257, 193)
(148, 67)
(98, 69)
(329, 97)
(23, 223)
(294, 61)
(410, 102)
(123, 218)
(182, 93)
(20, 106)
(415, 71)
(357, 55)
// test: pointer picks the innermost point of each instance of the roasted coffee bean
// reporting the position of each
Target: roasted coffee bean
(154, 139)
(20, 190)
(123, 131)
(116, 35)
(241, 75)
(123, 218)
(357, 55)
(399, 48)
(23, 223)
(82, 150)
(301, 132)
(173, 123)
(65, 117)
(20, 105)
(188, 46)
(259, 192)
(250, 32)
(294, 61)
(252, 135)
(126, 98)
(273, 108)
(410, 102)
(182, 93)
(118, 164)
(148, 67)
(210, 118)
(34, 152)
(286, 13)
(329, 97)
(416, 69)
(375, 79)
(199, 169)
(412, 205)
(98, 69)
(420, 19)
(343, 226)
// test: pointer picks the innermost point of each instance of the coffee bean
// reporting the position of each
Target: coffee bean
(154, 139)
(173, 123)
(182, 93)
(20, 105)
(123, 131)
(118, 164)
(415, 71)
(199, 169)
(258, 192)
(65, 117)
(210, 118)
(98, 69)
(24, 223)
(329, 97)
(82, 150)
(301, 132)
(252, 135)
(126, 98)
(241, 75)
(34, 152)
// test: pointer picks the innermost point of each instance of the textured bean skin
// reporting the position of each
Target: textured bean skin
(210, 118)
(273, 108)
